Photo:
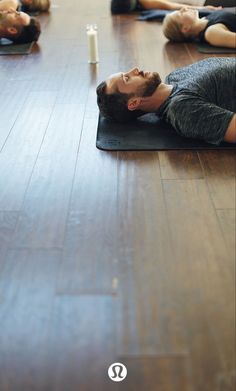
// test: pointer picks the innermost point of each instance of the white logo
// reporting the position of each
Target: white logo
(117, 371)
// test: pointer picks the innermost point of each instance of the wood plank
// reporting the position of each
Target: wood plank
(47, 342)
(227, 218)
(157, 373)
(180, 165)
(74, 85)
(220, 171)
(90, 257)
(226, 381)
(27, 284)
(42, 223)
(149, 306)
(8, 221)
(11, 106)
(204, 267)
(82, 343)
(30, 276)
(20, 152)
(146, 262)
(45, 67)
(179, 55)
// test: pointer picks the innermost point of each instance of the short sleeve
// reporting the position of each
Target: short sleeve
(193, 117)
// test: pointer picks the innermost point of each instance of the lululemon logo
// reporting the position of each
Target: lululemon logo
(117, 371)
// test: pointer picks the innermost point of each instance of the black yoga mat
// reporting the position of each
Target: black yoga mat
(205, 48)
(148, 133)
(7, 47)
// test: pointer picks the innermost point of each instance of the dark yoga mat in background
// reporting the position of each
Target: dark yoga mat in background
(148, 133)
(205, 48)
(6, 47)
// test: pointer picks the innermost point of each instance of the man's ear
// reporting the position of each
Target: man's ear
(185, 28)
(12, 30)
(133, 103)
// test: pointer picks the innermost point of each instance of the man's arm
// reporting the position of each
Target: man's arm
(5, 5)
(230, 135)
(219, 35)
(168, 5)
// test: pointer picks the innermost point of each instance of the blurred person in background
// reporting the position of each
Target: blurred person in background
(17, 26)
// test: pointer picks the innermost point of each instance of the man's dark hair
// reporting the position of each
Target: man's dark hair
(114, 105)
(29, 33)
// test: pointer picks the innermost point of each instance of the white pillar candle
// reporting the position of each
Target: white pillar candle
(92, 44)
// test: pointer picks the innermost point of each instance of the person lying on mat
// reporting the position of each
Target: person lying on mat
(16, 26)
(216, 29)
(126, 6)
(26, 5)
(197, 100)
(35, 5)
(7, 4)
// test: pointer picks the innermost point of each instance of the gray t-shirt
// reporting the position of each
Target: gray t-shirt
(202, 102)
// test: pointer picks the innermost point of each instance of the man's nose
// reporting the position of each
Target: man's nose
(134, 71)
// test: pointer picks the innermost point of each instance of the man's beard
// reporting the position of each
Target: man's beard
(151, 85)
(3, 20)
(1, 17)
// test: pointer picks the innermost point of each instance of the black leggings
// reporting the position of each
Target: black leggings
(223, 3)
(125, 6)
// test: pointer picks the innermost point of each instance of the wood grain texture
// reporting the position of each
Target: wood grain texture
(145, 267)
(26, 288)
(11, 106)
(227, 218)
(41, 222)
(92, 219)
(180, 165)
(8, 221)
(67, 355)
(160, 373)
(21, 149)
(108, 257)
(220, 170)
(207, 274)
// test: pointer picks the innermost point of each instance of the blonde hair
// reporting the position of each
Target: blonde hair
(172, 29)
(37, 5)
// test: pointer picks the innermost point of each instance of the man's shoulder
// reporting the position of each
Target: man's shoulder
(200, 69)
(183, 96)
(182, 103)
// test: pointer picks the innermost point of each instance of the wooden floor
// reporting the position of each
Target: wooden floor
(107, 257)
